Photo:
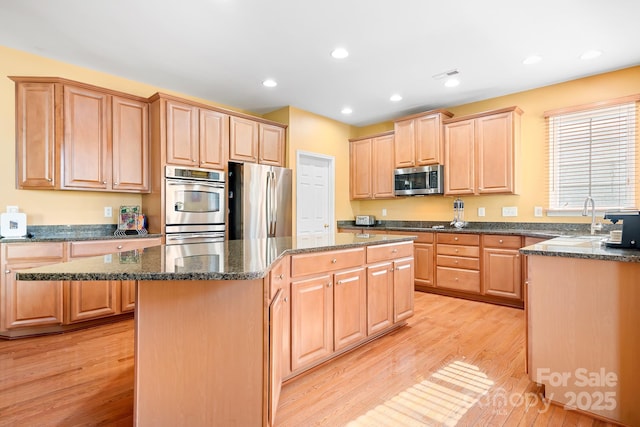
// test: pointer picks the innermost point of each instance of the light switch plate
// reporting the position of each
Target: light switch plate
(537, 211)
(510, 211)
(481, 212)
(384, 212)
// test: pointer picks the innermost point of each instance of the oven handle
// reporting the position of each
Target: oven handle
(206, 184)
(196, 236)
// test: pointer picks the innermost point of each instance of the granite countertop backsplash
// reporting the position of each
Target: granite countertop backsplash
(63, 233)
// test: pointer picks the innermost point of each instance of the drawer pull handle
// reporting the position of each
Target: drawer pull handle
(350, 279)
(394, 251)
(333, 261)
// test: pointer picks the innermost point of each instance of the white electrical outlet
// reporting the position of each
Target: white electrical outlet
(481, 212)
(384, 212)
(537, 211)
(510, 211)
(108, 212)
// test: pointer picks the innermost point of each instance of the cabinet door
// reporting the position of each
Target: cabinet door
(502, 273)
(276, 325)
(182, 134)
(87, 155)
(349, 308)
(31, 303)
(214, 139)
(35, 138)
(360, 171)
(403, 289)
(405, 151)
(272, 145)
(424, 263)
(379, 297)
(494, 143)
(382, 167)
(91, 299)
(130, 143)
(243, 140)
(459, 162)
(429, 140)
(311, 320)
(127, 295)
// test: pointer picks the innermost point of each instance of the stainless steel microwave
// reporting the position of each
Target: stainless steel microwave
(419, 181)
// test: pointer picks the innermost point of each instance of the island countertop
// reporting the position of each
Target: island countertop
(228, 260)
(585, 247)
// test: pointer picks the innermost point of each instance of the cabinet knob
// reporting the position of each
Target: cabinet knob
(394, 251)
(500, 241)
(455, 262)
(7, 271)
(286, 299)
(104, 182)
(457, 251)
(391, 269)
(116, 183)
(328, 284)
(119, 247)
(194, 161)
(455, 238)
(49, 179)
(333, 261)
(280, 277)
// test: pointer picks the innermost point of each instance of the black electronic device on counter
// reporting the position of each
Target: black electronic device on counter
(630, 229)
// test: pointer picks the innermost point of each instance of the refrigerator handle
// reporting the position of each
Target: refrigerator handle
(268, 204)
(274, 207)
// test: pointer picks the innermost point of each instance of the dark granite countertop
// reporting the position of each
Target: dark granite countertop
(585, 247)
(229, 260)
(528, 229)
(68, 233)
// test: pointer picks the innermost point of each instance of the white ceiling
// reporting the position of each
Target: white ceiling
(221, 50)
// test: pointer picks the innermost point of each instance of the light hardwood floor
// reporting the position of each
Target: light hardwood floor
(457, 363)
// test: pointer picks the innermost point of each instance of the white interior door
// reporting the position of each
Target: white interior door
(315, 194)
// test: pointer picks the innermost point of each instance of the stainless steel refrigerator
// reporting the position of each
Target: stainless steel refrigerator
(259, 201)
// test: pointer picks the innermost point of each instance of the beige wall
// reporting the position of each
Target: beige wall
(533, 164)
(308, 132)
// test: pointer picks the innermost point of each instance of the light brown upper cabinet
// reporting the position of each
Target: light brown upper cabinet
(371, 167)
(75, 136)
(196, 136)
(481, 152)
(256, 142)
(419, 139)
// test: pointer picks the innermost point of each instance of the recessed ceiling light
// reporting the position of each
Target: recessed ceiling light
(270, 83)
(395, 98)
(533, 59)
(340, 53)
(452, 83)
(346, 110)
(590, 54)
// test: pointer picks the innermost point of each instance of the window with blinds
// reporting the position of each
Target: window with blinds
(592, 152)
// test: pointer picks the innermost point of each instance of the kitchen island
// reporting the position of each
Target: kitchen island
(583, 343)
(219, 325)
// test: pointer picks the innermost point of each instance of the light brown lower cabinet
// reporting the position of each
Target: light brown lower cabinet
(379, 297)
(40, 307)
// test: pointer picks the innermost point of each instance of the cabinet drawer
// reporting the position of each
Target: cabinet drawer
(377, 253)
(498, 241)
(466, 251)
(101, 247)
(34, 250)
(279, 276)
(459, 262)
(458, 239)
(457, 279)
(322, 262)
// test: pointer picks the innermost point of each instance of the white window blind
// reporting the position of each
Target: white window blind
(593, 153)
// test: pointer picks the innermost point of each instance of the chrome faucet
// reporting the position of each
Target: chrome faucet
(594, 226)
